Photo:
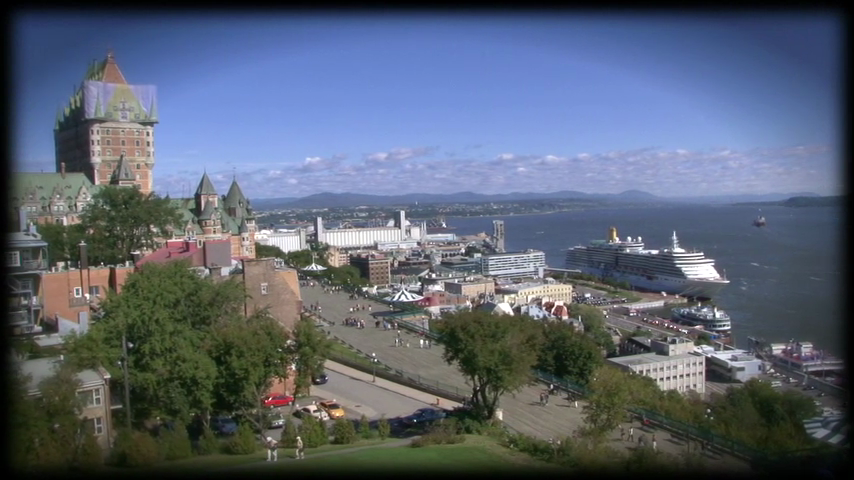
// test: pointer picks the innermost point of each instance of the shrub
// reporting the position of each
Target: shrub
(175, 443)
(343, 432)
(289, 434)
(243, 442)
(135, 449)
(383, 428)
(208, 443)
(365, 427)
(440, 434)
(90, 456)
(313, 432)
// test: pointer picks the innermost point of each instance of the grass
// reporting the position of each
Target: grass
(221, 461)
(476, 454)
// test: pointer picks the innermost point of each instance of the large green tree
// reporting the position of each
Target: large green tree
(63, 241)
(568, 353)
(167, 312)
(311, 348)
(249, 354)
(121, 220)
(606, 405)
(494, 352)
(594, 325)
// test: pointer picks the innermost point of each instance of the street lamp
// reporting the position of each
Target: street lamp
(124, 363)
(374, 367)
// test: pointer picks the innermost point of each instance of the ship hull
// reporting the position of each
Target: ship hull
(705, 289)
(684, 319)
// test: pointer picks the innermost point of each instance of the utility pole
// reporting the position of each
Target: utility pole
(126, 380)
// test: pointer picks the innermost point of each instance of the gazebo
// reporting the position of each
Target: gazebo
(314, 267)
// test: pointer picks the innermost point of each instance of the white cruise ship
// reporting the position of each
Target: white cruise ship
(673, 270)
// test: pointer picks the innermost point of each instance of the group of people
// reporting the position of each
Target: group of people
(359, 308)
(273, 449)
(641, 439)
(354, 322)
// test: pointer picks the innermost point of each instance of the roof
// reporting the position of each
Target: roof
(40, 369)
(123, 170)
(235, 197)
(39, 187)
(649, 358)
(24, 239)
(110, 72)
(208, 212)
(189, 250)
(205, 186)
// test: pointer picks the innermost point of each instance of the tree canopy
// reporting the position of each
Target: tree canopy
(120, 220)
(606, 405)
(568, 353)
(494, 352)
(594, 325)
(63, 241)
(311, 348)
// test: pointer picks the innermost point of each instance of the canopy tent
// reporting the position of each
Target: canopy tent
(314, 267)
(403, 296)
(832, 429)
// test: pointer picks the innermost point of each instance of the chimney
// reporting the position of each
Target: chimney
(84, 258)
(136, 256)
(62, 169)
(22, 219)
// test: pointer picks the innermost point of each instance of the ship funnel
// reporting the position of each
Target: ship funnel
(612, 234)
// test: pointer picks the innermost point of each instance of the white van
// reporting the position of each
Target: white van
(776, 384)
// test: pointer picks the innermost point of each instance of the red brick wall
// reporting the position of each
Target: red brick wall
(58, 288)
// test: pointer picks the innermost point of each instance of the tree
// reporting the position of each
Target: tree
(606, 405)
(120, 220)
(63, 241)
(594, 325)
(311, 348)
(494, 352)
(167, 313)
(249, 354)
(567, 353)
(343, 431)
(269, 251)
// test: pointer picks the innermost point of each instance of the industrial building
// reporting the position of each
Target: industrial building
(673, 364)
(516, 264)
(400, 231)
(732, 365)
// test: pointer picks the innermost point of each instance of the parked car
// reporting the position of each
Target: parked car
(312, 411)
(278, 400)
(332, 408)
(276, 420)
(423, 416)
(223, 425)
(320, 379)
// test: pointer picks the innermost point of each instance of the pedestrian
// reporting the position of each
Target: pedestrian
(654, 444)
(407, 344)
(547, 398)
(272, 450)
(420, 343)
(542, 399)
(622, 434)
(576, 403)
(429, 344)
(632, 434)
(300, 449)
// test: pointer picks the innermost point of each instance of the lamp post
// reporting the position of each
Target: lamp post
(124, 363)
(374, 367)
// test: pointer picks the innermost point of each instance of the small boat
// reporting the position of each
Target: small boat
(759, 221)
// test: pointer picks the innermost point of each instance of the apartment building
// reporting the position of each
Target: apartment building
(376, 268)
(673, 364)
(521, 293)
(26, 264)
(513, 264)
(474, 289)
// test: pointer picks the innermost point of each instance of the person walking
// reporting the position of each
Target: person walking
(300, 449)
(420, 343)
(429, 344)
(272, 450)
(654, 444)
(632, 434)
(542, 399)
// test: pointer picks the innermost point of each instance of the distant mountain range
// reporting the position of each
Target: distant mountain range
(337, 200)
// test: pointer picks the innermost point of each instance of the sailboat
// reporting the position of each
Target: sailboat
(760, 220)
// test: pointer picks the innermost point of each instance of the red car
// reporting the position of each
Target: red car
(278, 400)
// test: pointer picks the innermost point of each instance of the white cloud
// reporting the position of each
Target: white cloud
(662, 172)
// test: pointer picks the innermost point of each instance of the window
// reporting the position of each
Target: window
(137, 154)
(147, 133)
(96, 425)
(109, 142)
(97, 142)
(93, 142)
(98, 131)
(124, 152)
(78, 292)
(90, 398)
(136, 142)
(263, 289)
(147, 154)
(122, 132)
(138, 165)
(148, 143)
(138, 133)
(137, 176)
(94, 290)
(99, 153)
(26, 284)
(123, 142)
(13, 259)
(92, 131)
(106, 131)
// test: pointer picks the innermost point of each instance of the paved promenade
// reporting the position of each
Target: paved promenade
(521, 411)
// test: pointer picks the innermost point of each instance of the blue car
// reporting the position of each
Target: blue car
(423, 416)
(223, 425)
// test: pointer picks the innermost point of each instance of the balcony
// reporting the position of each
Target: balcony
(17, 319)
(78, 302)
(18, 303)
(29, 266)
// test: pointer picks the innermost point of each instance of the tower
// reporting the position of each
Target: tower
(498, 234)
(108, 125)
(207, 207)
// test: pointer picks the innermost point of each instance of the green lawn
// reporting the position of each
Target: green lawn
(477, 454)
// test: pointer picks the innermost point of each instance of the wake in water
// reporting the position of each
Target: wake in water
(755, 264)
(816, 278)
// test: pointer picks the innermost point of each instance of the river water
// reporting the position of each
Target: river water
(786, 278)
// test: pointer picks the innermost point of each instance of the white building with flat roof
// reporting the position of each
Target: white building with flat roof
(734, 365)
(515, 264)
(673, 364)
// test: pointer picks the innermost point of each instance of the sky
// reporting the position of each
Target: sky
(294, 105)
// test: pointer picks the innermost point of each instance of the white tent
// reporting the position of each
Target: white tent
(403, 296)
(832, 429)
(314, 268)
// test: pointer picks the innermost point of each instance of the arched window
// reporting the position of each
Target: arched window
(109, 142)
(123, 142)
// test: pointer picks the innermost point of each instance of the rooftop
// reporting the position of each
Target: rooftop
(649, 358)
(40, 369)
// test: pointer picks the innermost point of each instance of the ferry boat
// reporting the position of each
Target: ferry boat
(672, 270)
(711, 318)
(800, 357)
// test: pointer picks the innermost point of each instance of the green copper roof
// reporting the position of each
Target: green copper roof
(235, 197)
(208, 212)
(205, 186)
(123, 170)
(30, 187)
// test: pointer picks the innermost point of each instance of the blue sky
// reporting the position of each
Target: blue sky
(392, 104)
